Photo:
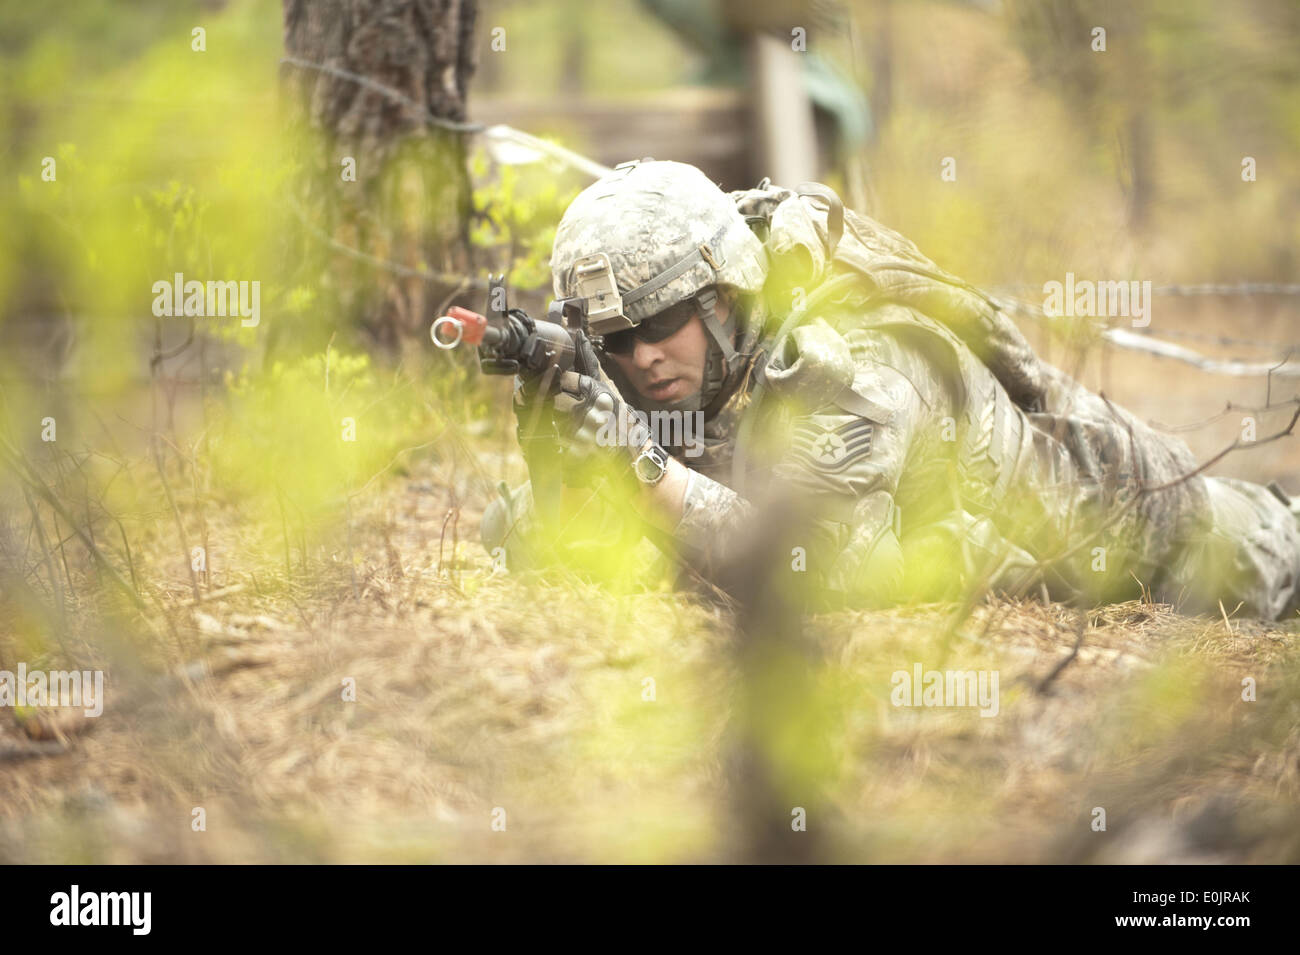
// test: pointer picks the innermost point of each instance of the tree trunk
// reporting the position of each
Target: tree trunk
(410, 201)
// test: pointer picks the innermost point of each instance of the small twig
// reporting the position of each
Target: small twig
(1142, 588)
(1229, 408)
(1226, 622)
(1236, 445)
(442, 536)
(1268, 385)
(1080, 627)
(455, 540)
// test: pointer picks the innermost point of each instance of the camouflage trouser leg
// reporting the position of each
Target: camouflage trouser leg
(1246, 551)
(1200, 540)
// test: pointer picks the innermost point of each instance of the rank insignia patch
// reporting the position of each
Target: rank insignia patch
(831, 449)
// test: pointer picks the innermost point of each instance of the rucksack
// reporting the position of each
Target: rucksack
(811, 237)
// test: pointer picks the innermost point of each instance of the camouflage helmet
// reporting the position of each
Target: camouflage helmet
(647, 236)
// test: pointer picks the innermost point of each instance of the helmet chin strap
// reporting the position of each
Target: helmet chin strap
(706, 300)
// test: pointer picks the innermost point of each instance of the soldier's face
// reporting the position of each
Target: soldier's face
(671, 369)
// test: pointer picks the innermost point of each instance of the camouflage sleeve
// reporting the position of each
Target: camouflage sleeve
(712, 514)
(848, 458)
(844, 460)
(847, 467)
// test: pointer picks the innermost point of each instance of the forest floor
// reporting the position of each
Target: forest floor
(506, 717)
(546, 717)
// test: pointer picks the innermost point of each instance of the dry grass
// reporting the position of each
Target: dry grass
(526, 692)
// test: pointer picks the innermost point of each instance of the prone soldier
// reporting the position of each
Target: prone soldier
(825, 356)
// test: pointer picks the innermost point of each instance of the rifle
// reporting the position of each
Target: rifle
(511, 342)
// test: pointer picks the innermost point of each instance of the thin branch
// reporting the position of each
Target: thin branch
(1081, 627)
(1236, 445)
(1229, 409)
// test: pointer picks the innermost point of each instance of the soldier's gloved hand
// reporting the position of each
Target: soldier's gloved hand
(596, 426)
(534, 424)
(585, 361)
(533, 396)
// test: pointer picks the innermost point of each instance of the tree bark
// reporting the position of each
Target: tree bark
(410, 201)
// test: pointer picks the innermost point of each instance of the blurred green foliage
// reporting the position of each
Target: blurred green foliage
(516, 216)
(170, 160)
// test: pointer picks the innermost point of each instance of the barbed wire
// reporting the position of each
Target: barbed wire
(397, 268)
(499, 135)
(502, 136)
(1220, 289)
(386, 90)
(1153, 344)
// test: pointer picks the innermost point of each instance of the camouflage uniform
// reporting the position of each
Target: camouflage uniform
(930, 469)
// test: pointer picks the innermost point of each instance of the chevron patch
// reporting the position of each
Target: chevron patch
(831, 449)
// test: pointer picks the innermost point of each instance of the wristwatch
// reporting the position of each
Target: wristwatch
(651, 464)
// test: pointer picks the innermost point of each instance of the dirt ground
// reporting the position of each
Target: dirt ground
(471, 698)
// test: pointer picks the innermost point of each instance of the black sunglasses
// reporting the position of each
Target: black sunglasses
(654, 329)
